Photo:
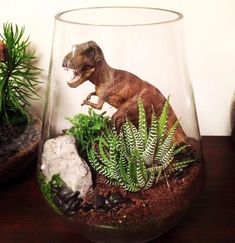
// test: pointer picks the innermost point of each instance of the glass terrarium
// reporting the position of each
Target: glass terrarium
(120, 154)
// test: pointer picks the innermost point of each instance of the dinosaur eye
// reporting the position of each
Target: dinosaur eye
(86, 67)
(90, 52)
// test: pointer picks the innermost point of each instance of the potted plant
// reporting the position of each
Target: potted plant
(120, 154)
(19, 129)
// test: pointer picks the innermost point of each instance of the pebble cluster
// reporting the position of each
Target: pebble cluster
(112, 200)
(69, 202)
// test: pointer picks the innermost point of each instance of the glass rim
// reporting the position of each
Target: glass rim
(179, 16)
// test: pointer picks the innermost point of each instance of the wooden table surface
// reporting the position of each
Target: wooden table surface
(25, 217)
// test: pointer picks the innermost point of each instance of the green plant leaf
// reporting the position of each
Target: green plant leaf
(151, 145)
(18, 75)
(88, 128)
(167, 142)
(162, 122)
(142, 121)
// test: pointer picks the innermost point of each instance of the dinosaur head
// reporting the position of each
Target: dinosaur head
(82, 60)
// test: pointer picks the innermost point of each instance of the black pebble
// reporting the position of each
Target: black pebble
(69, 196)
(57, 201)
(116, 198)
(178, 174)
(87, 207)
(105, 208)
(98, 201)
(65, 208)
(55, 189)
(64, 192)
(66, 200)
(108, 202)
(76, 205)
(80, 200)
(70, 204)
(77, 193)
(69, 213)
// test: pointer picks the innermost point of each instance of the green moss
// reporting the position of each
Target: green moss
(87, 128)
(46, 188)
(56, 180)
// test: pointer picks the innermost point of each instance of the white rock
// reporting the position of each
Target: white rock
(60, 156)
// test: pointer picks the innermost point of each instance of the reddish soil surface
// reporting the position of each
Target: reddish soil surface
(163, 201)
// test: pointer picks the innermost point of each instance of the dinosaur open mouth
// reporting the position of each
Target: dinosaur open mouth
(76, 78)
(80, 75)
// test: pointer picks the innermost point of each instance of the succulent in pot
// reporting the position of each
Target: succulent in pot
(19, 129)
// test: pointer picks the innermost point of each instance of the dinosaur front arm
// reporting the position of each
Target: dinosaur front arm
(89, 95)
(97, 106)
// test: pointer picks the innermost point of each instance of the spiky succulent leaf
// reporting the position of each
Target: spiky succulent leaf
(167, 158)
(139, 144)
(131, 168)
(166, 143)
(109, 172)
(142, 121)
(143, 168)
(123, 169)
(141, 173)
(151, 180)
(182, 164)
(151, 144)
(181, 149)
(162, 122)
(127, 132)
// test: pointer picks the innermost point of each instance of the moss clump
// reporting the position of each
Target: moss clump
(46, 188)
(87, 128)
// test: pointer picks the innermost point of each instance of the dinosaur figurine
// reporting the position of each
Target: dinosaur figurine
(120, 89)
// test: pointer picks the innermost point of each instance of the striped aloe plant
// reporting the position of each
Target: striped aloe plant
(138, 157)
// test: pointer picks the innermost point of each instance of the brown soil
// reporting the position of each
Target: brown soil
(18, 147)
(162, 201)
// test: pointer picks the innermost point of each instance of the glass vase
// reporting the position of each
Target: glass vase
(120, 154)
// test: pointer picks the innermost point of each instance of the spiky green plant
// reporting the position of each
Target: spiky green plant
(112, 159)
(18, 75)
(136, 158)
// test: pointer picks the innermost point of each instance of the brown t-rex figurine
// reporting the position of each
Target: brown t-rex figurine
(118, 88)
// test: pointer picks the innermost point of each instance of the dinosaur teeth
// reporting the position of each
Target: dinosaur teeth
(75, 81)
